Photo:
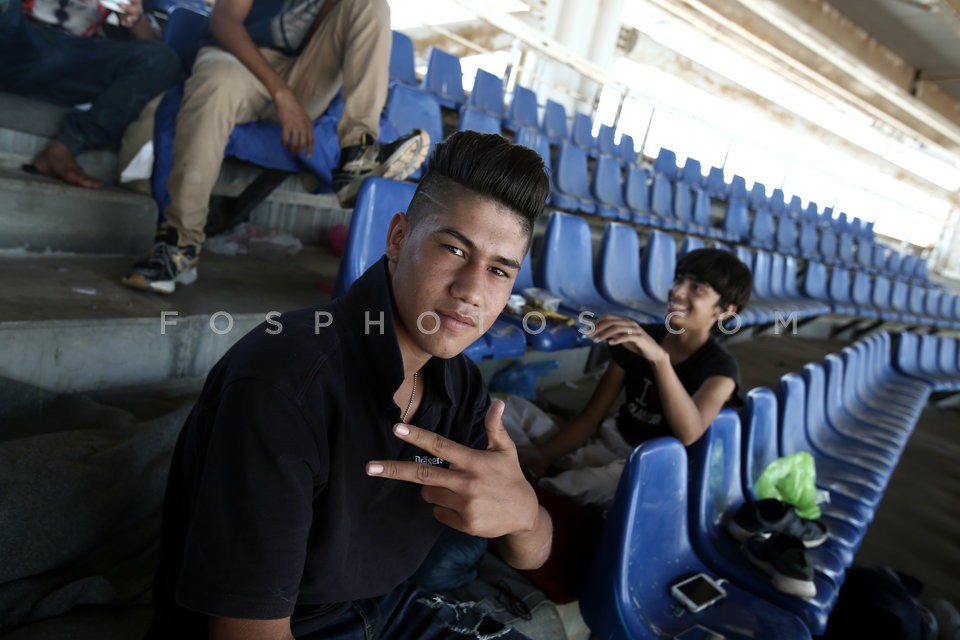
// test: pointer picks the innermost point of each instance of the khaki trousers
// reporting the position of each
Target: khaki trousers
(351, 46)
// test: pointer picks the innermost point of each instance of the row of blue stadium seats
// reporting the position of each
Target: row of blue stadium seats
(854, 413)
(856, 293)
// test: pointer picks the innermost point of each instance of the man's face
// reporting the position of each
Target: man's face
(694, 305)
(453, 272)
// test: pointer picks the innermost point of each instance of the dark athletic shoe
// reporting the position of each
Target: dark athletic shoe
(167, 265)
(785, 559)
(394, 160)
(763, 517)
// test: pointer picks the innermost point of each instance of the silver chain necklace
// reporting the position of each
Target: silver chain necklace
(413, 394)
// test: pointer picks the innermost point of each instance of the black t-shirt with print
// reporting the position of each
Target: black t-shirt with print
(641, 417)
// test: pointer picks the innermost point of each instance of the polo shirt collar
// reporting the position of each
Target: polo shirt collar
(368, 297)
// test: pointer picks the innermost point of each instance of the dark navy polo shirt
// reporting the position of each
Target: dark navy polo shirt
(268, 510)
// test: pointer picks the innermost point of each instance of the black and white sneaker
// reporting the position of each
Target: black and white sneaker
(785, 559)
(763, 517)
(394, 160)
(165, 267)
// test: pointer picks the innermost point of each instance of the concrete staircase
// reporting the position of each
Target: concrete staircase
(66, 323)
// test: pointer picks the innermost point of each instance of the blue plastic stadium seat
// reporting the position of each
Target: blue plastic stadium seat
(815, 282)
(736, 223)
(645, 548)
(377, 202)
(738, 189)
(538, 142)
(776, 202)
(808, 241)
(666, 164)
(620, 266)
(572, 180)
(690, 243)
(795, 207)
(661, 202)
(716, 184)
(838, 289)
(915, 300)
(787, 236)
(523, 109)
(899, 292)
(864, 255)
(565, 269)
(861, 294)
(880, 297)
(182, 32)
(555, 121)
(692, 174)
(762, 232)
(581, 133)
(828, 246)
(444, 78)
(758, 196)
(487, 94)
(701, 215)
(472, 119)
(626, 149)
(401, 60)
(608, 188)
(605, 144)
(408, 108)
(716, 493)
(845, 250)
(636, 193)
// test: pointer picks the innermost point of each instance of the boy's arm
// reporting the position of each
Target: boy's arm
(576, 432)
(226, 25)
(689, 417)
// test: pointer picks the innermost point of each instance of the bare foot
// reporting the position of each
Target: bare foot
(56, 161)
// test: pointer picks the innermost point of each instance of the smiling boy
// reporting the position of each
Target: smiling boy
(321, 463)
(676, 377)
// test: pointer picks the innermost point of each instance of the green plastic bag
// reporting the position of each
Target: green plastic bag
(791, 479)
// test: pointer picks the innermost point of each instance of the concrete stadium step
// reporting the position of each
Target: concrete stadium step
(68, 325)
(40, 214)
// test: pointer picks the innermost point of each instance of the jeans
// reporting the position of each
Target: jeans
(118, 77)
(409, 613)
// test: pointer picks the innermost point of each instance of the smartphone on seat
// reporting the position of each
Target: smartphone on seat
(698, 592)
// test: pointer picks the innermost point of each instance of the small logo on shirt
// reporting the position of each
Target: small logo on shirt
(437, 462)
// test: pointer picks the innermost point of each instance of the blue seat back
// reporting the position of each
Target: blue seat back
(738, 189)
(409, 108)
(790, 287)
(845, 249)
(808, 239)
(929, 357)
(658, 265)
(898, 295)
(487, 94)
(661, 196)
(690, 243)
(761, 274)
(619, 264)
(401, 60)
(946, 305)
(525, 276)
(815, 281)
(472, 119)
(839, 286)
(582, 132)
(571, 173)
(864, 254)
(539, 143)
(792, 414)
(861, 292)
(377, 201)
(566, 264)
(760, 446)
(692, 173)
(636, 192)
(605, 140)
(608, 181)
(776, 201)
(736, 221)
(947, 353)
(716, 185)
(626, 149)
(444, 79)
(761, 229)
(701, 209)
(182, 33)
(828, 245)
(880, 254)
(931, 305)
(666, 164)
(917, 296)
(682, 202)
(892, 267)
(778, 266)
(907, 358)
(881, 293)
(758, 196)
(787, 235)
(908, 265)
(523, 109)
(555, 120)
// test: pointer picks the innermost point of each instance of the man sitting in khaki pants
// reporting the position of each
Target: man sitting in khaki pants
(283, 60)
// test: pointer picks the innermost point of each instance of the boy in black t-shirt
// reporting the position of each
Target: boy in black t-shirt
(676, 377)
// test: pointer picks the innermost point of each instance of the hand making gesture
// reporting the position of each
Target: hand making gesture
(483, 493)
(624, 331)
